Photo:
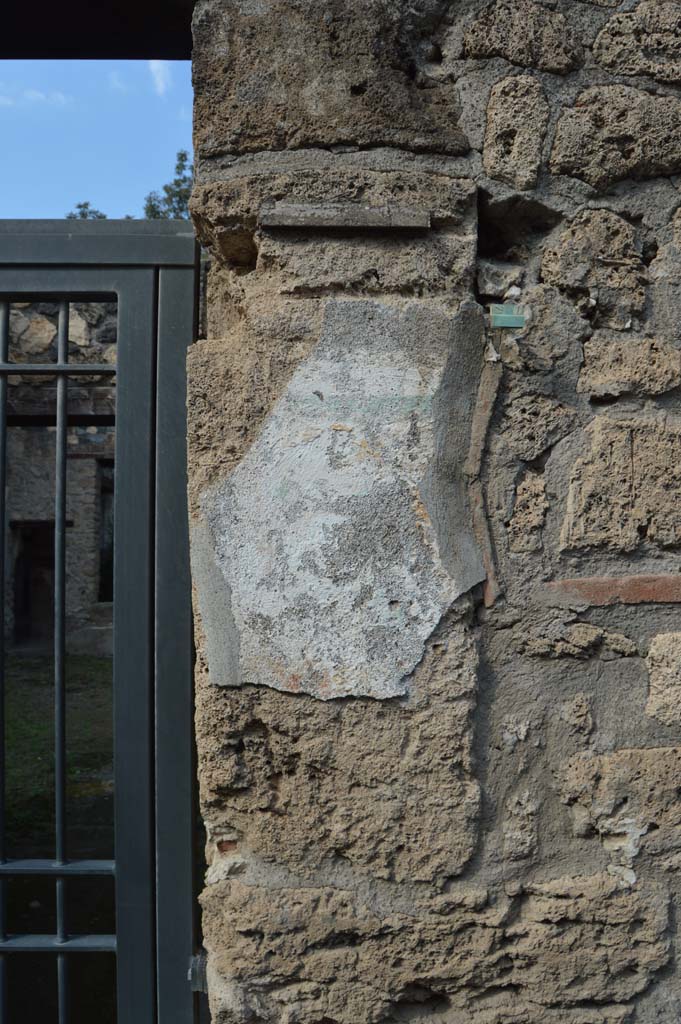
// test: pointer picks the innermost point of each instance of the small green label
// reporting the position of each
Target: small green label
(508, 315)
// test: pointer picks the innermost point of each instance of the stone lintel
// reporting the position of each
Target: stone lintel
(345, 215)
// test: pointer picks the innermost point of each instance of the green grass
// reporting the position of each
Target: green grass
(30, 754)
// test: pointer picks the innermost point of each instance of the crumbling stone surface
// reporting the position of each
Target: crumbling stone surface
(289, 781)
(575, 950)
(528, 514)
(614, 132)
(524, 33)
(517, 118)
(357, 74)
(595, 259)
(436, 563)
(645, 41)
(664, 671)
(227, 213)
(623, 492)
(629, 799)
(615, 364)
(559, 639)
(533, 423)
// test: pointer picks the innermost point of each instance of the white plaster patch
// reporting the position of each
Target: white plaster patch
(344, 535)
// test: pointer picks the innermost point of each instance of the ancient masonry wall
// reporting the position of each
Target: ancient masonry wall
(438, 564)
(31, 455)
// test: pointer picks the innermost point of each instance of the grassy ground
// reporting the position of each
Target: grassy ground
(30, 755)
(30, 831)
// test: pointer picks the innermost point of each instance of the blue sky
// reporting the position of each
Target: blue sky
(100, 131)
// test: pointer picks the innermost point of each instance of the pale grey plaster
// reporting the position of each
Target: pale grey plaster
(344, 535)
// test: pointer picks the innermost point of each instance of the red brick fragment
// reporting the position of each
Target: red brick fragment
(605, 590)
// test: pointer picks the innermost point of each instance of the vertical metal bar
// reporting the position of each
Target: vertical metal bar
(175, 799)
(4, 356)
(60, 650)
(133, 647)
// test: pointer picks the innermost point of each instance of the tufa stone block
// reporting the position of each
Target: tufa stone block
(517, 118)
(614, 132)
(645, 41)
(664, 672)
(620, 365)
(524, 33)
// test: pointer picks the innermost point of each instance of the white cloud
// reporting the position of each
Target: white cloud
(6, 101)
(53, 99)
(161, 76)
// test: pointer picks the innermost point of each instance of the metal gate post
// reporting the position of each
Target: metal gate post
(151, 269)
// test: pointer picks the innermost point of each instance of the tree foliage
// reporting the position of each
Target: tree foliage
(85, 211)
(173, 202)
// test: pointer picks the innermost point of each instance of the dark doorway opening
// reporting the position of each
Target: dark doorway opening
(33, 584)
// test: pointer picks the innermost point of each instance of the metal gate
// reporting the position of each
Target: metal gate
(149, 269)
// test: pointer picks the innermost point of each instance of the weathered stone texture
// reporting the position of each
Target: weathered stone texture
(290, 782)
(528, 514)
(629, 799)
(517, 118)
(620, 365)
(624, 491)
(664, 671)
(595, 258)
(614, 132)
(645, 41)
(524, 33)
(347, 74)
(438, 576)
(573, 951)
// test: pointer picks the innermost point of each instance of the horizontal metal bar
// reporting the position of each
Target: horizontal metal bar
(98, 243)
(49, 867)
(57, 369)
(45, 420)
(51, 944)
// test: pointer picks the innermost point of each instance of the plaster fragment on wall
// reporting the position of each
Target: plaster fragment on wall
(344, 535)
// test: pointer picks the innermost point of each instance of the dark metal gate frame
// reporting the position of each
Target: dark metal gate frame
(151, 269)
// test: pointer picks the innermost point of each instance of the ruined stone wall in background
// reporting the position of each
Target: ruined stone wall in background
(31, 476)
(438, 563)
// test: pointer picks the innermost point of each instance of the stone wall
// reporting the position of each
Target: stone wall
(31, 462)
(438, 562)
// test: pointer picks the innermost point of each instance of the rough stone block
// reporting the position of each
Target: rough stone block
(286, 74)
(595, 258)
(620, 365)
(517, 118)
(529, 512)
(524, 33)
(624, 490)
(533, 423)
(300, 553)
(386, 789)
(553, 333)
(570, 951)
(227, 212)
(629, 799)
(615, 132)
(494, 277)
(664, 672)
(645, 41)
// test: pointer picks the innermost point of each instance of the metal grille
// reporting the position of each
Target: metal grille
(150, 270)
